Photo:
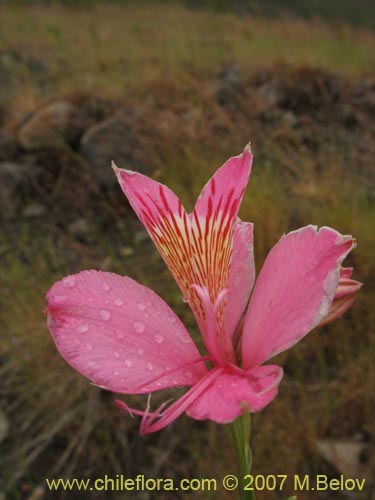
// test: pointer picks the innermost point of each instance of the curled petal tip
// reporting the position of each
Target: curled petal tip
(345, 295)
(248, 148)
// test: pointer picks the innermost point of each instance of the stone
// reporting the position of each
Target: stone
(11, 188)
(53, 126)
(80, 229)
(115, 140)
(347, 456)
(8, 145)
(34, 210)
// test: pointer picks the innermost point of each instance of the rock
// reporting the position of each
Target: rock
(53, 126)
(34, 210)
(114, 139)
(8, 145)
(38, 493)
(80, 229)
(347, 456)
(11, 184)
(228, 88)
(126, 251)
(231, 75)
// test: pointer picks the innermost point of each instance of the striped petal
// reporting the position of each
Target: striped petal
(196, 247)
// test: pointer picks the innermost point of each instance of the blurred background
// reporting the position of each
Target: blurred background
(172, 89)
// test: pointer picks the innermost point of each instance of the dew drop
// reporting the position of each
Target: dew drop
(188, 374)
(117, 355)
(59, 299)
(89, 347)
(159, 338)
(139, 327)
(116, 373)
(69, 282)
(128, 363)
(141, 306)
(119, 302)
(119, 334)
(140, 351)
(82, 328)
(104, 314)
(185, 339)
(172, 319)
(106, 287)
(150, 366)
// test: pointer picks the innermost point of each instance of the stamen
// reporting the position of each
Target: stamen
(211, 335)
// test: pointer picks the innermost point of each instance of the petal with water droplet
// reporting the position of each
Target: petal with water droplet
(121, 337)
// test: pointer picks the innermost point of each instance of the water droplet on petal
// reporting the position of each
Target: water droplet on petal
(139, 327)
(141, 306)
(106, 287)
(128, 363)
(82, 328)
(120, 334)
(188, 374)
(140, 351)
(69, 282)
(172, 319)
(59, 299)
(117, 355)
(116, 373)
(150, 366)
(119, 302)
(159, 338)
(185, 339)
(104, 314)
(89, 347)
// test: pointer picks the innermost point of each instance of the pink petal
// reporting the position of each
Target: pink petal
(294, 291)
(345, 295)
(197, 248)
(236, 391)
(241, 275)
(213, 220)
(120, 334)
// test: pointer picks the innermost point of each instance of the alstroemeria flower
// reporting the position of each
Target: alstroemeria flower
(126, 339)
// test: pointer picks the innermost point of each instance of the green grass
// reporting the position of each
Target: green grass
(120, 48)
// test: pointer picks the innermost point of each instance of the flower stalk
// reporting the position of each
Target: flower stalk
(241, 436)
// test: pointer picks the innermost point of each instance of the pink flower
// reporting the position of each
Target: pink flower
(126, 339)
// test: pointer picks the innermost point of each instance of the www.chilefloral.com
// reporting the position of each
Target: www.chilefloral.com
(229, 482)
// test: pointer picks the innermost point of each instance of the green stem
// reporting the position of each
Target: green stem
(241, 436)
